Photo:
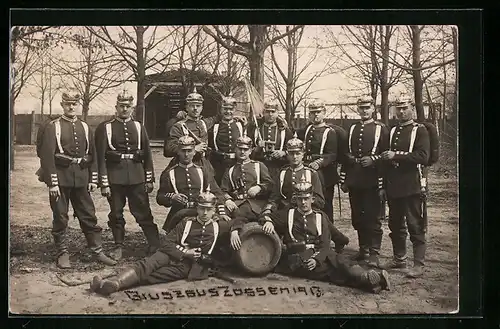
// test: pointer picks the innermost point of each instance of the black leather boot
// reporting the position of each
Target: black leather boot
(126, 279)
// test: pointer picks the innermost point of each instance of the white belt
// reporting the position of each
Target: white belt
(191, 204)
(310, 246)
(127, 156)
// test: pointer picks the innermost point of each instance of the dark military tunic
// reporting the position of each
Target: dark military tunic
(411, 144)
(369, 138)
(73, 138)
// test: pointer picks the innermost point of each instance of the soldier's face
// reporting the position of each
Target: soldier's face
(194, 109)
(124, 111)
(243, 153)
(404, 113)
(205, 213)
(295, 157)
(317, 117)
(69, 109)
(186, 155)
(304, 203)
(270, 115)
(227, 113)
(366, 112)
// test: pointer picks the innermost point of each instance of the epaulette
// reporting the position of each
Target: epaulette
(56, 119)
(380, 123)
(285, 167)
(173, 167)
(197, 165)
(310, 169)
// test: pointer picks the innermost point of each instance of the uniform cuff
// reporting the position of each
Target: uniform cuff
(342, 177)
(380, 183)
(221, 209)
(104, 181)
(94, 179)
(149, 177)
(53, 180)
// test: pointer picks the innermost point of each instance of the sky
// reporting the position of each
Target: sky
(329, 88)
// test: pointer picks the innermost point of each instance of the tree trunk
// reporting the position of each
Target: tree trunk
(384, 76)
(141, 76)
(418, 83)
(373, 60)
(256, 63)
(85, 109)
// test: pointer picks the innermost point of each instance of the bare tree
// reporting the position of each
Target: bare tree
(137, 50)
(252, 49)
(289, 86)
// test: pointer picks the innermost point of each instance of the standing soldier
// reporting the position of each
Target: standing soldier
(409, 150)
(181, 184)
(308, 253)
(126, 173)
(222, 139)
(321, 151)
(270, 140)
(247, 185)
(194, 126)
(70, 171)
(362, 177)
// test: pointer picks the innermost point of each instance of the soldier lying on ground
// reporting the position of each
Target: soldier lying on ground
(185, 255)
(308, 253)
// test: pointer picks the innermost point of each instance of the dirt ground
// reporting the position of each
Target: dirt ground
(36, 285)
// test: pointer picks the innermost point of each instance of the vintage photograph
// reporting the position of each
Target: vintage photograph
(234, 169)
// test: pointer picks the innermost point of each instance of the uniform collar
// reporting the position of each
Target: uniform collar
(123, 120)
(367, 121)
(321, 125)
(274, 124)
(409, 122)
(299, 167)
(204, 223)
(228, 122)
(188, 118)
(304, 214)
(74, 119)
(185, 166)
(245, 162)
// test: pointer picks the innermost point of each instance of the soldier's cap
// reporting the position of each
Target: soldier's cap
(244, 142)
(316, 106)
(294, 144)
(124, 98)
(403, 102)
(194, 97)
(270, 106)
(206, 199)
(302, 189)
(186, 142)
(70, 96)
(228, 102)
(365, 101)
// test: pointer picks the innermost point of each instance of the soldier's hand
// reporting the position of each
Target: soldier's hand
(193, 253)
(311, 264)
(350, 158)
(314, 165)
(235, 240)
(388, 155)
(243, 120)
(281, 122)
(268, 227)
(261, 143)
(253, 191)
(278, 154)
(344, 188)
(106, 191)
(366, 161)
(225, 218)
(149, 187)
(202, 147)
(181, 115)
(54, 192)
(91, 187)
(230, 205)
(382, 195)
(180, 198)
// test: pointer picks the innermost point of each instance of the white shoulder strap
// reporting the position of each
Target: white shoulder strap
(216, 130)
(318, 224)
(171, 174)
(257, 172)
(282, 139)
(291, 213)
(204, 126)
(307, 132)
(200, 173)
(413, 136)
(282, 181)
(231, 177)
(138, 127)
(185, 130)
(307, 173)
(391, 134)
(240, 128)
(185, 234)
(109, 134)
(216, 235)
(86, 129)
(378, 128)
(350, 137)
(57, 126)
(323, 140)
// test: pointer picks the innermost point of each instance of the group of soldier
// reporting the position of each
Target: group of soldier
(226, 172)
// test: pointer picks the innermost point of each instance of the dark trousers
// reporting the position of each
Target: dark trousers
(159, 268)
(138, 201)
(405, 215)
(365, 208)
(85, 211)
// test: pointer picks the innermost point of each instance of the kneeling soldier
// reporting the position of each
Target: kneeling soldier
(308, 253)
(185, 255)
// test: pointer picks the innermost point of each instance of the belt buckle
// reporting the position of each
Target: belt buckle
(190, 204)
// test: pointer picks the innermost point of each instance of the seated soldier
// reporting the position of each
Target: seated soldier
(185, 255)
(308, 253)
(246, 185)
(181, 184)
(282, 195)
